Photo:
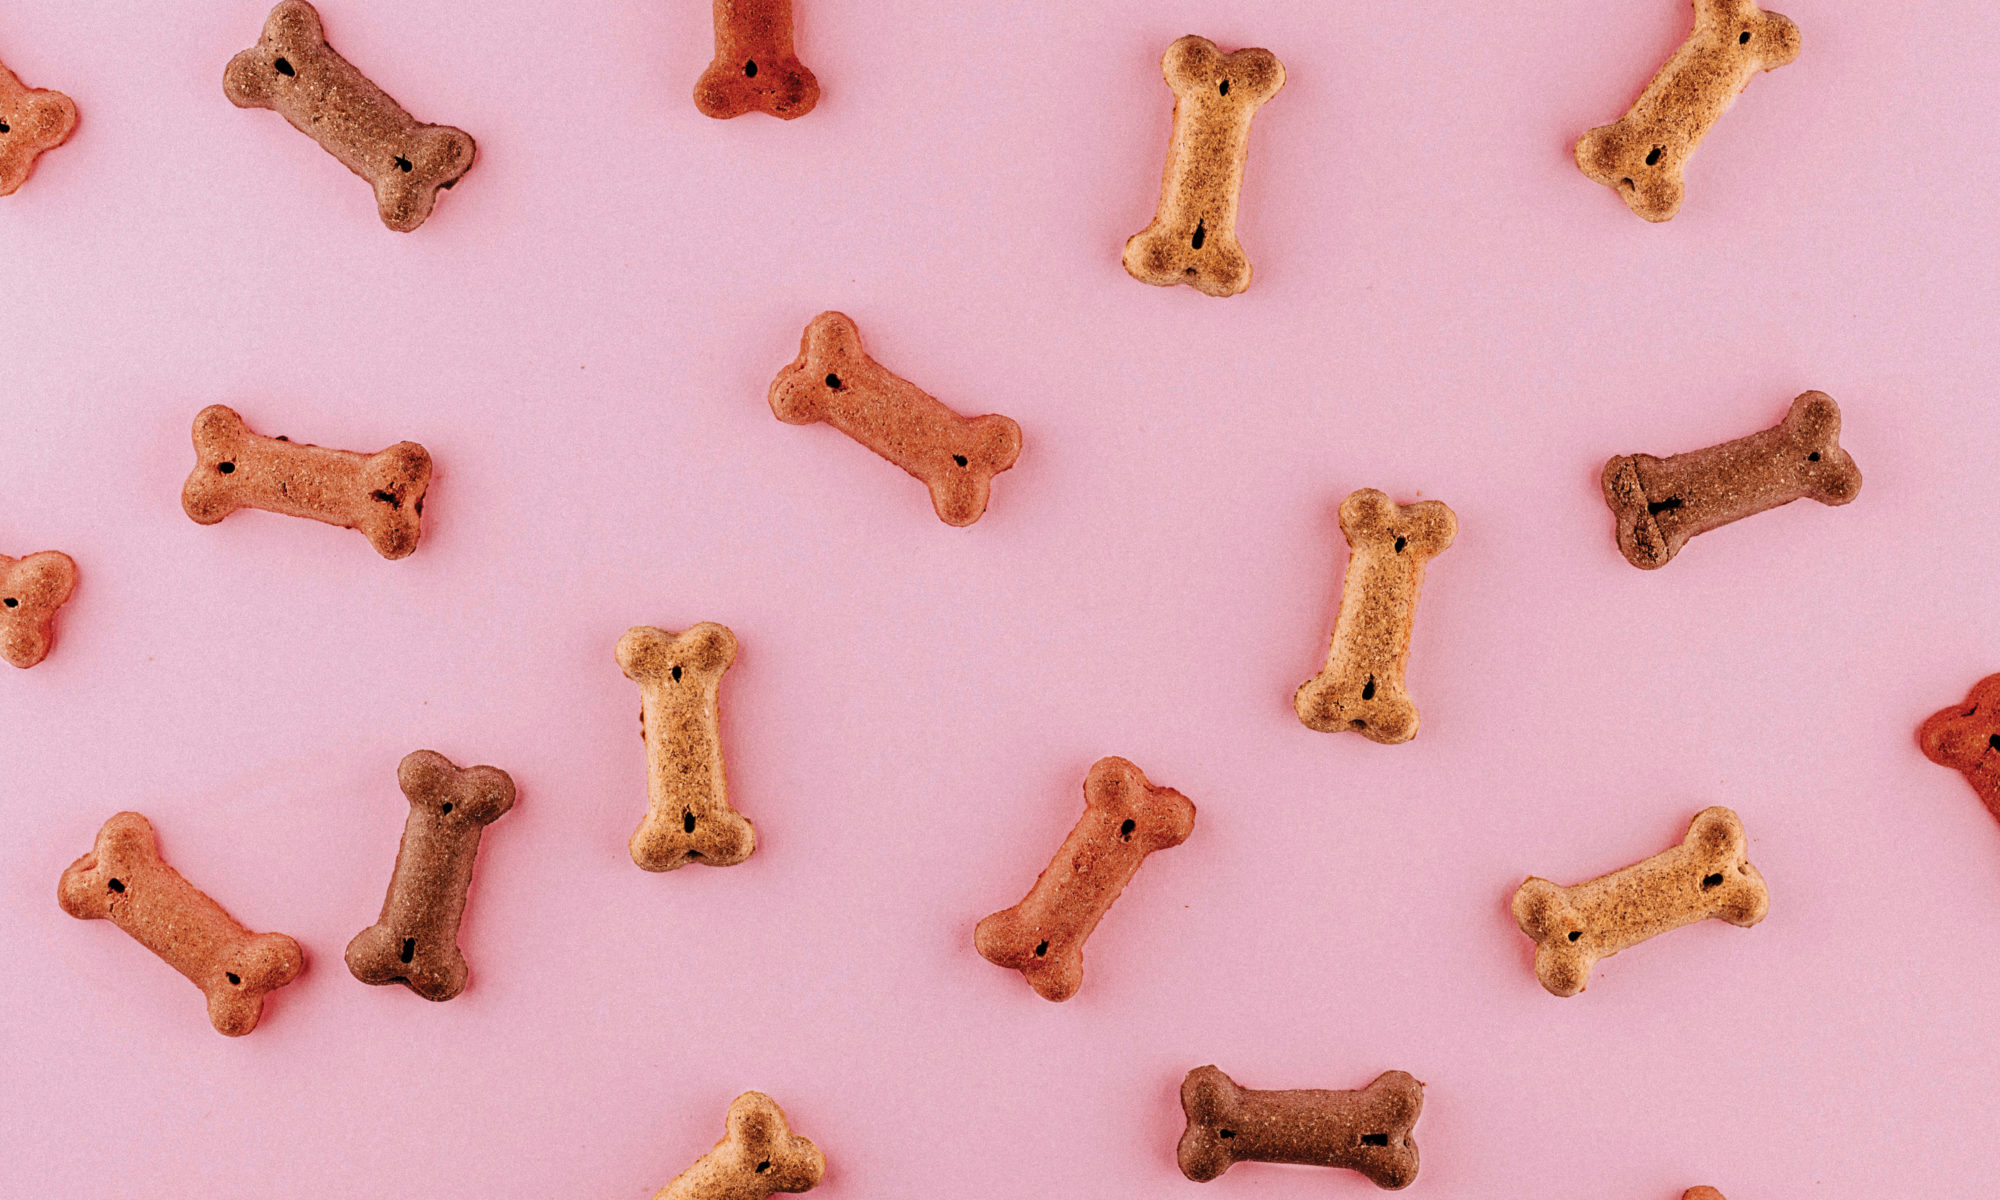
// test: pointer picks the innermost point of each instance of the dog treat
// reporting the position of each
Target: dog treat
(755, 68)
(1707, 875)
(758, 1156)
(1644, 152)
(688, 817)
(292, 70)
(1660, 503)
(834, 380)
(32, 120)
(380, 494)
(1361, 688)
(415, 942)
(1966, 738)
(1366, 1131)
(31, 590)
(1192, 239)
(1124, 819)
(124, 880)
(1701, 1193)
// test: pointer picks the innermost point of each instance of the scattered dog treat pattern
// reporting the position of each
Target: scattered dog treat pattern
(31, 590)
(1966, 738)
(688, 818)
(756, 68)
(758, 1156)
(32, 121)
(1366, 1131)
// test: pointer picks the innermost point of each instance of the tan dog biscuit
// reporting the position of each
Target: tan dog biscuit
(1361, 688)
(688, 817)
(32, 120)
(1659, 503)
(834, 380)
(31, 590)
(1966, 738)
(1702, 1193)
(293, 71)
(1192, 239)
(756, 68)
(124, 880)
(1707, 875)
(1643, 153)
(415, 942)
(1366, 1131)
(1124, 819)
(758, 1156)
(381, 494)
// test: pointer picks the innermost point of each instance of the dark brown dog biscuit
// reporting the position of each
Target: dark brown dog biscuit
(381, 494)
(759, 1155)
(688, 815)
(415, 942)
(1124, 819)
(1966, 738)
(32, 120)
(124, 880)
(293, 71)
(755, 68)
(834, 380)
(31, 590)
(1366, 1131)
(1660, 503)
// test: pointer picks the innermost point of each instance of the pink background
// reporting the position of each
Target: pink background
(583, 335)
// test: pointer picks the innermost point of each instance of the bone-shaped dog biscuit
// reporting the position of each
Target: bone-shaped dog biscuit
(1192, 239)
(688, 817)
(1966, 738)
(1659, 503)
(755, 68)
(381, 494)
(1702, 1193)
(1366, 1131)
(293, 71)
(1644, 153)
(415, 942)
(834, 380)
(31, 590)
(1361, 688)
(124, 880)
(1707, 875)
(759, 1155)
(32, 120)
(1125, 818)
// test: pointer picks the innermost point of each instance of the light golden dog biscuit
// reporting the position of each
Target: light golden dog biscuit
(124, 880)
(755, 68)
(1125, 818)
(1361, 688)
(1966, 738)
(31, 590)
(293, 71)
(32, 121)
(758, 1156)
(1707, 875)
(688, 818)
(1192, 239)
(1644, 152)
(1366, 1131)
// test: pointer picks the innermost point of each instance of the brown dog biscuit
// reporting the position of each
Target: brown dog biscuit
(1659, 503)
(293, 71)
(380, 494)
(31, 590)
(124, 880)
(1707, 875)
(32, 120)
(415, 942)
(756, 68)
(834, 380)
(1361, 688)
(688, 816)
(1966, 738)
(1124, 819)
(1702, 1193)
(1366, 1131)
(1192, 239)
(758, 1155)
(1643, 153)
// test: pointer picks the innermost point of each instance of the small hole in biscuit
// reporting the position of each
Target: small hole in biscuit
(117, 885)
(5, 127)
(1358, 723)
(284, 67)
(1576, 935)
(833, 381)
(1225, 87)
(409, 949)
(1711, 881)
(763, 1166)
(1374, 1139)
(404, 165)
(1813, 457)
(227, 468)
(1200, 233)
(750, 70)
(1993, 742)
(1626, 182)
(694, 854)
(1227, 1133)
(1189, 271)
(960, 459)
(1042, 948)
(1653, 159)
(1745, 39)
(389, 498)
(233, 977)
(1125, 830)
(13, 603)
(445, 811)
(1368, 689)
(677, 673)
(1656, 507)
(1401, 544)
(687, 820)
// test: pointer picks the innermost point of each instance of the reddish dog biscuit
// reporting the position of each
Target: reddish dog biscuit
(381, 494)
(124, 880)
(1124, 819)
(1643, 153)
(1966, 738)
(1366, 1131)
(293, 71)
(415, 942)
(1192, 239)
(31, 590)
(32, 120)
(758, 1155)
(834, 380)
(1659, 503)
(1702, 1193)
(1361, 688)
(688, 817)
(1707, 875)
(755, 68)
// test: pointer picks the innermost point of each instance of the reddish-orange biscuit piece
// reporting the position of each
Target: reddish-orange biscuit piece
(32, 120)
(1701, 1193)
(834, 380)
(758, 1156)
(31, 590)
(1966, 738)
(1366, 1131)
(755, 68)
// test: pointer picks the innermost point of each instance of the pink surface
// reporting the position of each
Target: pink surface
(582, 336)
